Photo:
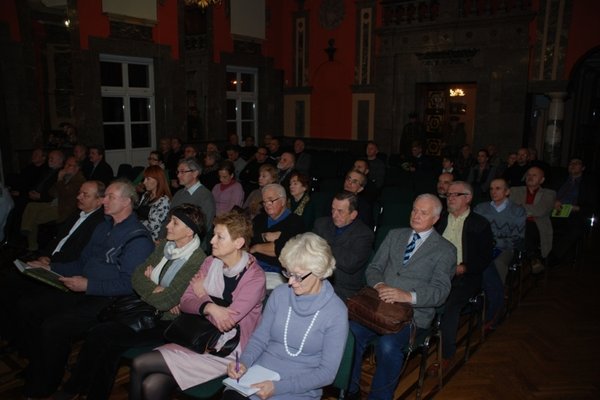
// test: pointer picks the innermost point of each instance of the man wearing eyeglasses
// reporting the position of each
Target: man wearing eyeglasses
(193, 192)
(273, 228)
(413, 265)
(471, 234)
(355, 183)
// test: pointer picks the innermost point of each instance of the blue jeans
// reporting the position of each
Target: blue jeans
(389, 356)
(494, 293)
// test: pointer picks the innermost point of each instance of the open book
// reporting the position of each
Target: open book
(41, 274)
(255, 374)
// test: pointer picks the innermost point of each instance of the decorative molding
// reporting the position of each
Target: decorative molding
(447, 57)
(124, 30)
(331, 13)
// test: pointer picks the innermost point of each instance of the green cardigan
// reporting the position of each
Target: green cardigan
(169, 297)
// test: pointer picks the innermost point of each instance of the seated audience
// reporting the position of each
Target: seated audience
(52, 320)
(229, 193)
(98, 169)
(275, 150)
(232, 275)
(507, 221)
(480, 176)
(210, 169)
(515, 174)
(580, 193)
(538, 203)
(153, 207)
(472, 236)
(464, 161)
(299, 201)
(193, 192)
(62, 204)
(6, 206)
(370, 191)
(443, 183)
(448, 167)
(233, 155)
(249, 150)
(73, 235)
(355, 183)
(286, 168)
(253, 203)
(351, 242)
(376, 165)
(303, 159)
(173, 157)
(159, 281)
(273, 228)
(250, 173)
(412, 265)
(303, 331)
(154, 158)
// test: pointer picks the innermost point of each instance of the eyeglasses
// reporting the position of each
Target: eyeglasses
(269, 202)
(457, 194)
(294, 277)
(184, 171)
(352, 181)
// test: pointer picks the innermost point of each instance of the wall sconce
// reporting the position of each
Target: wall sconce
(458, 92)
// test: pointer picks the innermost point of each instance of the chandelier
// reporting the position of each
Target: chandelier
(202, 3)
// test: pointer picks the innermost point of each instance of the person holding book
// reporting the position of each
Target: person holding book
(159, 281)
(303, 331)
(232, 275)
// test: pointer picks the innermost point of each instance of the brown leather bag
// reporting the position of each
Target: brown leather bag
(366, 308)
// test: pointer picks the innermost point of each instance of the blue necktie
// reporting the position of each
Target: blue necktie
(410, 248)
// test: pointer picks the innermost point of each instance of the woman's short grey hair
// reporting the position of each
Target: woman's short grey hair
(308, 252)
(277, 187)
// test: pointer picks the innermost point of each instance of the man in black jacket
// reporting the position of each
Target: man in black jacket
(471, 234)
(351, 242)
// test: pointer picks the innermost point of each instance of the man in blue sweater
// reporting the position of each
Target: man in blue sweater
(507, 221)
(101, 274)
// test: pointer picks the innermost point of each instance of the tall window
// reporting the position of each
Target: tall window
(127, 85)
(242, 100)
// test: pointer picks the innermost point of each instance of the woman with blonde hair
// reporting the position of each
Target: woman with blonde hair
(303, 331)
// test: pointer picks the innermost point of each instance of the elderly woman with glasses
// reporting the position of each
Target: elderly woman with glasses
(303, 330)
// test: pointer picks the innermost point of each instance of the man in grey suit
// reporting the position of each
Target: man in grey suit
(412, 265)
(351, 242)
(538, 203)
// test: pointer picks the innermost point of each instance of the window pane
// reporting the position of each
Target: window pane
(247, 110)
(247, 128)
(112, 109)
(114, 137)
(231, 113)
(231, 128)
(139, 109)
(140, 135)
(231, 81)
(247, 82)
(110, 74)
(138, 75)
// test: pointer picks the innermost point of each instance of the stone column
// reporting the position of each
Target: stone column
(553, 137)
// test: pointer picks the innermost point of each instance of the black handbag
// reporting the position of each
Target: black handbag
(198, 334)
(131, 311)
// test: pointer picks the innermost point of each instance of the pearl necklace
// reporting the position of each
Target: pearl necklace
(287, 322)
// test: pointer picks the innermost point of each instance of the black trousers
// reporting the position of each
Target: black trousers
(52, 322)
(98, 360)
